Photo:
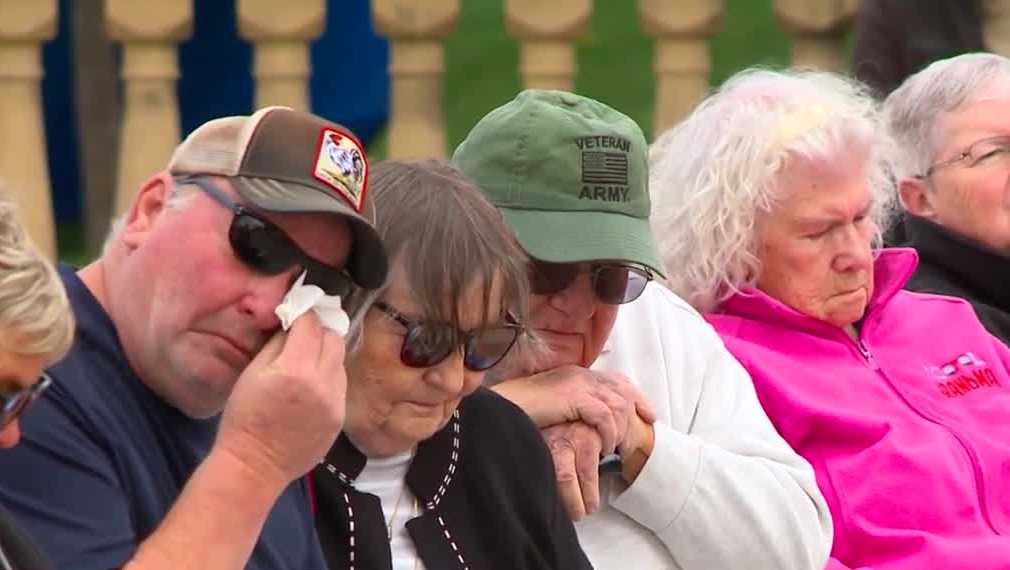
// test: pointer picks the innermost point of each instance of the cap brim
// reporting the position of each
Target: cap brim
(367, 263)
(568, 237)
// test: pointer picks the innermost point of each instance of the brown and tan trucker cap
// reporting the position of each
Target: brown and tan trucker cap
(283, 160)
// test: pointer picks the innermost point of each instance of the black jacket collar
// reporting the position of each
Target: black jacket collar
(487, 488)
(977, 268)
(430, 472)
(430, 475)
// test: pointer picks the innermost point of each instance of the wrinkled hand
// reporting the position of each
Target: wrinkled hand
(576, 449)
(607, 401)
(287, 407)
(636, 448)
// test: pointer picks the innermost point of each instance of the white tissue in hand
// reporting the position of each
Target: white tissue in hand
(301, 298)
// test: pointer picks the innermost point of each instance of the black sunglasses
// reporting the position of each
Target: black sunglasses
(14, 403)
(265, 248)
(427, 342)
(613, 283)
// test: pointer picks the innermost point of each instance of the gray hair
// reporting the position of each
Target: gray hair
(35, 314)
(713, 174)
(440, 230)
(910, 112)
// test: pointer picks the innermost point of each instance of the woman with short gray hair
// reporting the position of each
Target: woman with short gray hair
(36, 330)
(912, 111)
(771, 198)
(951, 124)
(431, 470)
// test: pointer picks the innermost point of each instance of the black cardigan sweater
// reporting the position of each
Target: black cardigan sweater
(486, 483)
(950, 264)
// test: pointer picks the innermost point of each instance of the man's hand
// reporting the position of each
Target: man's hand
(576, 449)
(607, 401)
(636, 448)
(282, 416)
(287, 407)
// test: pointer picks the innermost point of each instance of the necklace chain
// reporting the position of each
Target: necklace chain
(392, 516)
(392, 520)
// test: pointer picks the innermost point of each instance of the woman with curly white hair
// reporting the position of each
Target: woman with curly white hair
(769, 204)
(36, 330)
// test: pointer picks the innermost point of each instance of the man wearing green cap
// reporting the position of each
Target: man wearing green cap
(703, 480)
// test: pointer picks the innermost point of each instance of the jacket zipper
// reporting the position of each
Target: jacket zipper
(975, 467)
(867, 355)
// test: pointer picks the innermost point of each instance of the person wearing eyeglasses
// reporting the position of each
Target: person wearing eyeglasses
(179, 428)
(951, 159)
(36, 330)
(693, 474)
(432, 470)
(898, 399)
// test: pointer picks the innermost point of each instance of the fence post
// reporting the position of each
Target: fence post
(681, 61)
(281, 33)
(23, 165)
(416, 30)
(546, 31)
(149, 132)
(818, 30)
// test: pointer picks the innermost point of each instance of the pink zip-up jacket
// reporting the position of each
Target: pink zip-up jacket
(908, 429)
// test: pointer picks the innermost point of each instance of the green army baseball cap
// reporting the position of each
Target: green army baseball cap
(569, 174)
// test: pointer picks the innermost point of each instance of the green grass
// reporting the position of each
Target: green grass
(482, 67)
(615, 62)
(614, 59)
(70, 237)
(748, 36)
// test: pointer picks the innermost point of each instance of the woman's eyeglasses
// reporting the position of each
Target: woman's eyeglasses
(613, 283)
(985, 150)
(14, 402)
(428, 342)
(265, 248)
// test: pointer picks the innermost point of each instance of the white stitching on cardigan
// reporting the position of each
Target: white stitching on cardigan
(452, 543)
(453, 460)
(350, 518)
(333, 471)
(350, 511)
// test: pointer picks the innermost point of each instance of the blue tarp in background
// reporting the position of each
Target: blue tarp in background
(349, 82)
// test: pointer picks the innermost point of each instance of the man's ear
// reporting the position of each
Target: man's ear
(149, 204)
(916, 197)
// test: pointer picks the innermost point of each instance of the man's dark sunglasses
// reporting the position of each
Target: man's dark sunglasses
(265, 248)
(613, 283)
(15, 402)
(427, 342)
